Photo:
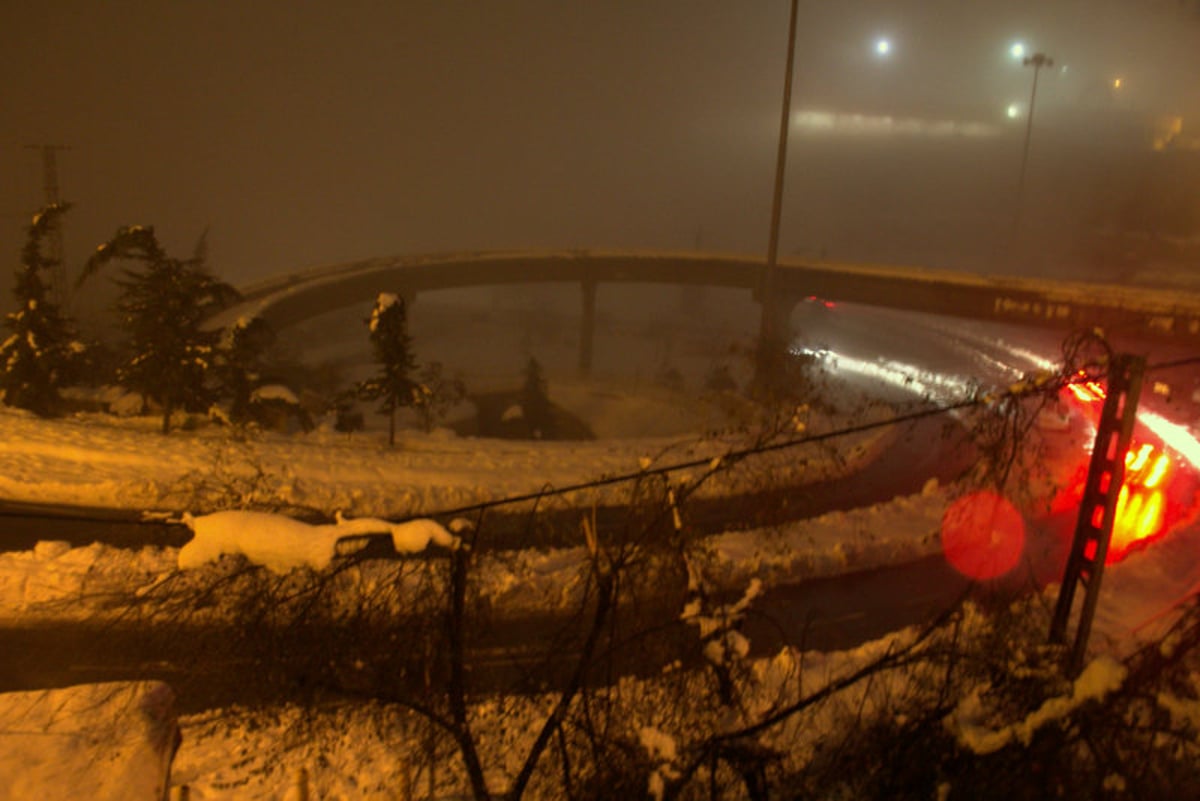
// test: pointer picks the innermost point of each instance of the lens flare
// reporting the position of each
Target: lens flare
(983, 535)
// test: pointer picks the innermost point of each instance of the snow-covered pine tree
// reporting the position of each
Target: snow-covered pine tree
(241, 356)
(393, 385)
(38, 357)
(162, 307)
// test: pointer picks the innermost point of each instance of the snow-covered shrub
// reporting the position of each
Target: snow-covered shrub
(234, 478)
(274, 407)
(128, 404)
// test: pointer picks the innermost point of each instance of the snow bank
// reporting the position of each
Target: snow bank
(104, 742)
(1103, 676)
(54, 580)
(280, 543)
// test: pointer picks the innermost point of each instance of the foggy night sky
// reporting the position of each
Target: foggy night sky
(312, 133)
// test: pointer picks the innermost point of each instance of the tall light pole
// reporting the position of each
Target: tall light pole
(1037, 61)
(767, 333)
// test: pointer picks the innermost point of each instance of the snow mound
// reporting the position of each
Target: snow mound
(281, 544)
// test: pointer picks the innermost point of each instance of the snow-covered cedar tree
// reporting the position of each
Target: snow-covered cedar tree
(40, 354)
(243, 346)
(393, 385)
(170, 356)
(437, 395)
(535, 402)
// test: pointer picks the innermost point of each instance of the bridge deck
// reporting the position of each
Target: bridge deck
(1137, 311)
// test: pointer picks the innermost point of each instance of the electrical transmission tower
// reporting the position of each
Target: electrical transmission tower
(59, 289)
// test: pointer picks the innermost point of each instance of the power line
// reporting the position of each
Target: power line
(1034, 388)
(691, 464)
(1021, 392)
(1190, 360)
(58, 286)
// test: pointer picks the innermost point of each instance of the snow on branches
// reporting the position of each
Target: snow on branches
(39, 355)
(170, 355)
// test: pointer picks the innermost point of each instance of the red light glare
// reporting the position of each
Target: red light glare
(1145, 509)
(983, 535)
(1139, 518)
(1080, 393)
(1086, 391)
(1157, 472)
(1136, 461)
(1141, 508)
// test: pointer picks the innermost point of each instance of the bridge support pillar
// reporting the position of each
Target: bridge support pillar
(587, 326)
(774, 334)
(778, 310)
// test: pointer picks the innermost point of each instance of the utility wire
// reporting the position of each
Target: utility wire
(728, 456)
(1176, 363)
(739, 454)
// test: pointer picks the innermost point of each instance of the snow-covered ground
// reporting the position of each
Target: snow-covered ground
(368, 752)
(359, 752)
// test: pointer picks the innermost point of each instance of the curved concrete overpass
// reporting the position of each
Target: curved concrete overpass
(1135, 312)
